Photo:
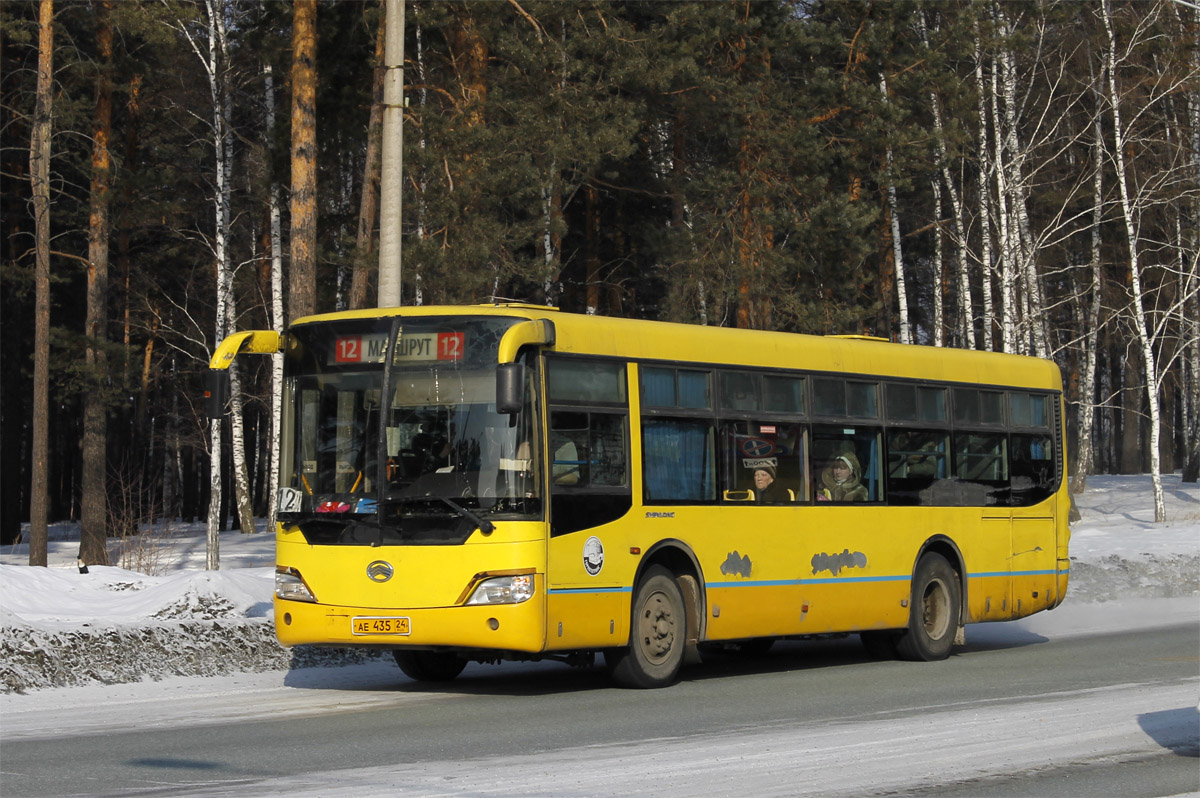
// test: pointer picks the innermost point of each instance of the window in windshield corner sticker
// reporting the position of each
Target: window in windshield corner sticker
(593, 555)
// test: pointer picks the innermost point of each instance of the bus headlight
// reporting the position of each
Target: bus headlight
(503, 590)
(289, 585)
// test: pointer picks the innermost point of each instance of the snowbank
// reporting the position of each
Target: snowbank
(116, 625)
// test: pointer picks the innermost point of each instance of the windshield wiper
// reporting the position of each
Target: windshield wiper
(485, 526)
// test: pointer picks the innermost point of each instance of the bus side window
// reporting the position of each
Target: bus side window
(1033, 468)
(918, 467)
(677, 456)
(981, 468)
(777, 449)
(847, 464)
(568, 447)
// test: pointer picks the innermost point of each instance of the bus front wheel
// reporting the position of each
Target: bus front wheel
(935, 611)
(429, 666)
(658, 631)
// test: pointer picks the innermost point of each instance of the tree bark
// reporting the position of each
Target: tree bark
(1089, 328)
(303, 208)
(897, 254)
(985, 219)
(1004, 235)
(1135, 272)
(278, 322)
(215, 66)
(368, 207)
(93, 529)
(39, 177)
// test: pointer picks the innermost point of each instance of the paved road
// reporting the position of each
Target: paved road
(1007, 715)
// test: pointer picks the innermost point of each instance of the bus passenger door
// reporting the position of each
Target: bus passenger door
(590, 491)
(1035, 554)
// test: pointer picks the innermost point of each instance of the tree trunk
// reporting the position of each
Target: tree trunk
(1135, 272)
(365, 262)
(215, 65)
(985, 217)
(960, 233)
(39, 178)
(1022, 264)
(897, 254)
(591, 256)
(93, 528)
(939, 267)
(421, 180)
(1008, 318)
(1085, 459)
(278, 322)
(224, 168)
(1191, 317)
(303, 275)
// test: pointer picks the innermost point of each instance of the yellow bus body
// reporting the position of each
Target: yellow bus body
(774, 571)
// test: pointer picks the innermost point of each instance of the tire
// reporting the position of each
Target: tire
(935, 612)
(881, 645)
(657, 634)
(429, 666)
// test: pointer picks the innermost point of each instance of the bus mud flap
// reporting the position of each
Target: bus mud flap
(691, 597)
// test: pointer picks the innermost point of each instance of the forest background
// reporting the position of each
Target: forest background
(1011, 176)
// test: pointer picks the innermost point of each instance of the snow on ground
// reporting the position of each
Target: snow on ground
(160, 615)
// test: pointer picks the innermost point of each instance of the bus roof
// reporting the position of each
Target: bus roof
(671, 342)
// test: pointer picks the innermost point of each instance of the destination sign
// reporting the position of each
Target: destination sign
(417, 346)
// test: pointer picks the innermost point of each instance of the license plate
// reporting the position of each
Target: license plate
(379, 626)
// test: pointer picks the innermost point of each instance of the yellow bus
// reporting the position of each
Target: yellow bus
(510, 482)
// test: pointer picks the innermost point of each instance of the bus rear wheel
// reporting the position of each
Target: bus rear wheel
(935, 611)
(658, 632)
(429, 666)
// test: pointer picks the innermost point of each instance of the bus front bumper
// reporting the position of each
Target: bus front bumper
(505, 627)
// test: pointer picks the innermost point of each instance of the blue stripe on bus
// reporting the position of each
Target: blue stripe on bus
(987, 574)
(824, 581)
(795, 582)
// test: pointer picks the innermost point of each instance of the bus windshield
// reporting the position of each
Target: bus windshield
(406, 449)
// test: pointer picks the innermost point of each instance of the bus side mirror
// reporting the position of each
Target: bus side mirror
(216, 392)
(510, 379)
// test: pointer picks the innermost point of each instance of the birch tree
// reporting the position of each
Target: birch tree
(213, 55)
(983, 156)
(1152, 312)
(277, 317)
(1089, 325)
(894, 227)
(1019, 260)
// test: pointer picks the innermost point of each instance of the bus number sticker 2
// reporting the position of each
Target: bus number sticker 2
(593, 555)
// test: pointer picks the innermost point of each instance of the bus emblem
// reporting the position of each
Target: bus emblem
(380, 571)
(593, 555)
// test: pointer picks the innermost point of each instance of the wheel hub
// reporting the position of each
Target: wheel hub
(657, 630)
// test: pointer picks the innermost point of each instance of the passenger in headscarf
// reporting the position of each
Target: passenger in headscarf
(766, 489)
(842, 481)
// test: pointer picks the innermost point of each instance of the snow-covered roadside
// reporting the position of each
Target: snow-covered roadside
(62, 628)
